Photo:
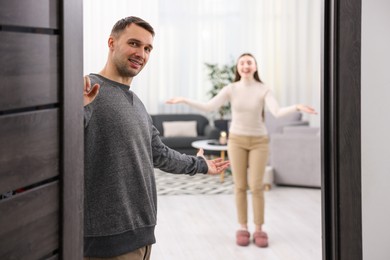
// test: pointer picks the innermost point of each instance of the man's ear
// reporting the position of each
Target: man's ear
(110, 42)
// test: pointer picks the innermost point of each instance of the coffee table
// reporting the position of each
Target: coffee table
(212, 145)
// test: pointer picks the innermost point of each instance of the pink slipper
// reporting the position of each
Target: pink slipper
(260, 238)
(242, 237)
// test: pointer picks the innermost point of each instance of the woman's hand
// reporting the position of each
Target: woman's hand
(215, 166)
(89, 93)
(306, 109)
(175, 100)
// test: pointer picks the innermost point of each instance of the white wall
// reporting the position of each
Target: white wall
(376, 129)
(285, 37)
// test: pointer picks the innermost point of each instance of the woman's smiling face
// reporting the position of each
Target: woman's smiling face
(246, 66)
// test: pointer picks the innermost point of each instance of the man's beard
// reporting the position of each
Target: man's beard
(123, 71)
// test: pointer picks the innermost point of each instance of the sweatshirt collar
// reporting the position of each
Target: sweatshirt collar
(125, 88)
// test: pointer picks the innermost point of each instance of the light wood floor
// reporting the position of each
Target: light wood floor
(202, 227)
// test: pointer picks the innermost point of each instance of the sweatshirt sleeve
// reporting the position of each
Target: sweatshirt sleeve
(213, 104)
(169, 160)
(273, 106)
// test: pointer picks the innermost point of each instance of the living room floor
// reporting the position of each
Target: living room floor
(202, 227)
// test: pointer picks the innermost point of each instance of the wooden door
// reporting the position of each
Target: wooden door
(41, 132)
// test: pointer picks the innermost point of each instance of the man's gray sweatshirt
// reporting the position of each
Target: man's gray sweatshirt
(122, 148)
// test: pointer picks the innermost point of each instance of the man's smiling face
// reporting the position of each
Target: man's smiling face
(131, 50)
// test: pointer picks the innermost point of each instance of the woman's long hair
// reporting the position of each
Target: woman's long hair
(256, 75)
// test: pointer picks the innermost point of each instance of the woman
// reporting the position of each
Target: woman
(248, 139)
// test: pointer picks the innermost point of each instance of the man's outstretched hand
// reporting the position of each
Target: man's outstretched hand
(216, 166)
(89, 93)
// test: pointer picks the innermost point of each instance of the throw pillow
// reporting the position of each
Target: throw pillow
(179, 128)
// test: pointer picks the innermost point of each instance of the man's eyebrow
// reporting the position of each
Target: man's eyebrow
(140, 42)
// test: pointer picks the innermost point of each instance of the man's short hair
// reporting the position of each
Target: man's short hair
(123, 23)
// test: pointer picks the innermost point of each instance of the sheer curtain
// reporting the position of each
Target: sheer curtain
(284, 36)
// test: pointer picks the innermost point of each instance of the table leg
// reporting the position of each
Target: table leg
(223, 173)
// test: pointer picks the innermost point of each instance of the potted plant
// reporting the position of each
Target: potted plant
(221, 76)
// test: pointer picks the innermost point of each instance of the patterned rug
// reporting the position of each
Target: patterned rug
(180, 184)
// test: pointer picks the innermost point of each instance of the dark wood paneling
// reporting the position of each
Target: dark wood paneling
(28, 70)
(29, 148)
(327, 125)
(41, 64)
(34, 241)
(349, 150)
(54, 257)
(27, 207)
(342, 216)
(30, 13)
(73, 131)
(29, 223)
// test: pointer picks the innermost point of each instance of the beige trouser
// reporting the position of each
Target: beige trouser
(142, 253)
(252, 152)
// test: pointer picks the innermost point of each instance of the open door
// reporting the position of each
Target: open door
(41, 129)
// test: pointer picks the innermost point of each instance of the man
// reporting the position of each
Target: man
(122, 148)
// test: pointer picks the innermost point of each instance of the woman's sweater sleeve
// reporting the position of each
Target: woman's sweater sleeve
(213, 104)
(273, 106)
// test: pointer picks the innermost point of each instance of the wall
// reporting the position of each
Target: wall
(375, 129)
(284, 36)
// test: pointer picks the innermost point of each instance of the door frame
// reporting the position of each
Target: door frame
(340, 125)
(341, 130)
(72, 131)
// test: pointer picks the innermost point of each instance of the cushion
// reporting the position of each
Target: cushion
(179, 128)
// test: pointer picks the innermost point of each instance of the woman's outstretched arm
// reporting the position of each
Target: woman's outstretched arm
(278, 111)
(213, 104)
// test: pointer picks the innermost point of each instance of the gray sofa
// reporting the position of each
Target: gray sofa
(296, 156)
(276, 125)
(182, 144)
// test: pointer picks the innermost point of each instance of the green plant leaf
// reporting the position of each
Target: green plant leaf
(220, 76)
